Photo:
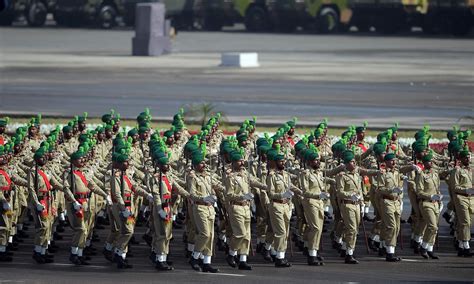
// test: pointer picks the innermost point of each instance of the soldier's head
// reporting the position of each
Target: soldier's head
(427, 161)
(390, 160)
(33, 130)
(3, 125)
(133, 133)
(109, 133)
(67, 132)
(41, 156)
(312, 159)
(465, 157)
(120, 161)
(77, 158)
(116, 126)
(379, 151)
(169, 136)
(177, 134)
(163, 163)
(237, 160)
(242, 139)
(3, 156)
(419, 149)
(291, 127)
(198, 161)
(360, 132)
(349, 160)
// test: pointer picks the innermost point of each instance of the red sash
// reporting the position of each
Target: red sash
(2, 141)
(82, 177)
(168, 185)
(128, 182)
(422, 167)
(362, 146)
(7, 178)
(45, 179)
(291, 141)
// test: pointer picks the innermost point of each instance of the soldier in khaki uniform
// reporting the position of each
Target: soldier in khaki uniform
(78, 196)
(162, 209)
(280, 190)
(202, 192)
(390, 188)
(349, 193)
(313, 182)
(427, 185)
(3, 126)
(239, 195)
(461, 179)
(123, 192)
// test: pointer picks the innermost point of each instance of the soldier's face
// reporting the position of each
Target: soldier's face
(170, 140)
(394, 136)
(144, 136)
(428, 165)
(2, 129)
(116, 126)
(177, 135)
(280, 164)
(391, 163)
(41, 161)
(200, 167)
(33, 130)
(238, 165)
(315, 164)
(361, 136)
(165, 168)
(243, 143)
(78, 163)
(67, 135)
(3, 160)
(381, 156)
(135, 138)
(124, 166)
(466, 160)
(108, 133)
(263, 157)
(82, 126)
(100, 136)
(351, 165)
(291, 132)
(17, 148)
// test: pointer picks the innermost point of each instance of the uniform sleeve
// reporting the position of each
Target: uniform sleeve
(177, 188)
(116, 194)
(95, 188)
(255, 183)
(340, 184)
(193, 192)
(335, 171)
(271, 190)
(66, 188)
(31, 189)
(18, 180)
(420, 187)
(457, 183)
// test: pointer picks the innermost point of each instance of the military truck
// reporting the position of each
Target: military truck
(33, 11)
(324, 16)
(434, 16)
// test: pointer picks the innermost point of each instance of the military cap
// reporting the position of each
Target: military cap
(4, 122)
(348, 156)
(197, 157)
(389, 156)
(464, 153)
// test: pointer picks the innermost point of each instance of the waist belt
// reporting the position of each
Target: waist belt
(78, 195)
(390, 197)
(463, 194)
(240, 203)
(345, 201)
(202, 203)
(281, 201)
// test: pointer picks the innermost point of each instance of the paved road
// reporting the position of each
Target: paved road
(449, 268)
(346, 78)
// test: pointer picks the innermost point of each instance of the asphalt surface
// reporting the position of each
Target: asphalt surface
(448, 269)
(348, 78)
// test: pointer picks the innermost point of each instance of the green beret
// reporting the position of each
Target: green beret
(300, 146)
(427, 158)
(273, 155)
(235, 156)
(291, 123)
(242, 137)
(418, 147)
(338, 147)
(3, 151)
(318, 132)
(454, 146)
(263, 149)
(464, 153)
(40, 152)
(163, 160)
(4, 122)
(378, 148)
(109, 127)
(178, 125)
(197, 158)
(82, 119)
(106, 118)
(168, 133)
(360, 129)
(67, 129)
(389, 156)
(143, 129)
(450, 134)
(132, 132)
(394, 129)
(77, 155)
(119, 157)
(348, 156)
(311, 155)
(190, 147)
(261, 141)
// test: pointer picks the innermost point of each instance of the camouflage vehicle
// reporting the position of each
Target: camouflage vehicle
(434, 16)
(286, 15)
(33, 11)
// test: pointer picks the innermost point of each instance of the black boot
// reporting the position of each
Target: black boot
(312, 261)
(83, 261)
(376, 246)
(231, 261)
(423, 253)
(432, 255)
(163, 266)
(342, 253)
(208, 268)
(152, 257)
(267, 255)
(382, 251)
(282, 263)
(22, 234)
(38, 258)
(195, 264)
(74, 258)
(108, 255)
(392, 258)
(260, 247)
(121, 263)
(417, 248)
(221, 245)
(351, 260)
(243, 265)
(320, 259)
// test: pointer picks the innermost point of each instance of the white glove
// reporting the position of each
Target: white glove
(397, 190)
(162, 214)
(288, 194)
(355, 197)
(209, 199)
(77, 206)
(126, 213)
(39, 207)
(149, 197)
(324, 195)
(436, 197)
(7, 207)
(248, 196)
(108, 199)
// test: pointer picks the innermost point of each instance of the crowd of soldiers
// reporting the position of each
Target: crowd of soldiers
(216, 184)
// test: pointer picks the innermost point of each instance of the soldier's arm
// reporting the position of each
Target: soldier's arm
(335, 171)
(340, 183)
(368, 172)
(420, 186)
(18, 180)
(406, 169)
(271, 187)
(177, 188)
(31, 190)
(95, 188)
(193, 192)
(116, 194)
(66, 188)
(255, 182)
(456, 182)
(231, 194)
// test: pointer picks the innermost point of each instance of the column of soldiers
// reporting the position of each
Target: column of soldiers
(219, 183)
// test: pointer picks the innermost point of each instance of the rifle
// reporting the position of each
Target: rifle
(36, 185)
(288, 238)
